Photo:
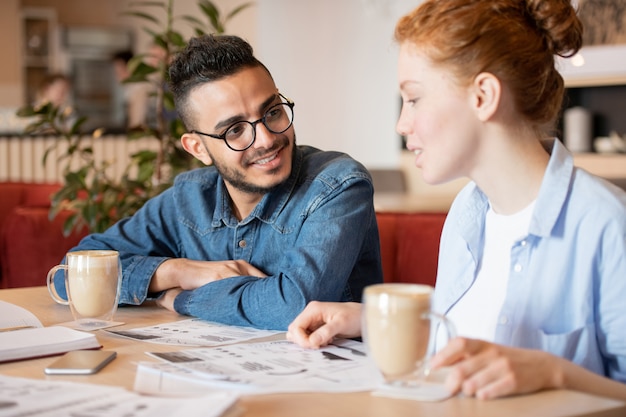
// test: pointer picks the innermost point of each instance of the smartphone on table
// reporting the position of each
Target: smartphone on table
(80, 362)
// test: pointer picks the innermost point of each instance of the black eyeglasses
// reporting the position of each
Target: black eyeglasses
(241, 135)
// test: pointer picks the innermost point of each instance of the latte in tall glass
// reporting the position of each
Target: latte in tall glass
(397, 328)
(92, 282)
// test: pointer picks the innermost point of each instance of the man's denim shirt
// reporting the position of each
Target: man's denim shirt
(315, 236)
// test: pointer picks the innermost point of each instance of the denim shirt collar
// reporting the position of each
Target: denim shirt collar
(270, 205)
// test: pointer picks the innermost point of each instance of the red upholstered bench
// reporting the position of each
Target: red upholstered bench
(30, 244)
(410, 246)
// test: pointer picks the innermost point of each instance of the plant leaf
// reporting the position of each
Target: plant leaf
(238, 10)
(142, 15)
(193, 20)
(211, 12)
(140, 72)
(176, 38)
(147, 4)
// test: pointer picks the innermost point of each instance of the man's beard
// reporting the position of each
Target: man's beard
(237, 179)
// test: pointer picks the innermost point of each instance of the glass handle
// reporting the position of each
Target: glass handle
(51, 288)
(451, 333)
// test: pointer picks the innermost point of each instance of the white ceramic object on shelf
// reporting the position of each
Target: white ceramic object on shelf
(578, 129)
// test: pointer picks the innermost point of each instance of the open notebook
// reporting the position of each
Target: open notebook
(22, 336)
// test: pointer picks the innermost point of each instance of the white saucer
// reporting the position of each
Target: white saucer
(432, 389)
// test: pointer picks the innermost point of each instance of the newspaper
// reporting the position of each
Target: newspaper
(39, 398)
(263, 367)
(194, 332)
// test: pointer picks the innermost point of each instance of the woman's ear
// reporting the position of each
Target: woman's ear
(487, 92)
(194, 145)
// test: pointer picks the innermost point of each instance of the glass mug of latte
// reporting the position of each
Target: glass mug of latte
(399, 330)
(93, 279)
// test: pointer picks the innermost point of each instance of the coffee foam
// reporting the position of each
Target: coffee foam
(94, 258)
(401, 295)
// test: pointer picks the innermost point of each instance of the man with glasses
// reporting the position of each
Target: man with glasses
(267, 226)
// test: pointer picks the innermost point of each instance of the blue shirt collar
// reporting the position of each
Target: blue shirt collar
(270, 205)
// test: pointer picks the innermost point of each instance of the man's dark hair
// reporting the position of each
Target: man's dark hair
(206, 59)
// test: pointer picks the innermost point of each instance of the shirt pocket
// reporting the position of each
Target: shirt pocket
(579, 346)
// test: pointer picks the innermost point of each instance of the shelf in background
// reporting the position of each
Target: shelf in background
(421, 196)
(606, 165)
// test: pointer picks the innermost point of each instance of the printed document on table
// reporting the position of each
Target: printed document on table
(263, 367)
(46, 398)
(194, 332)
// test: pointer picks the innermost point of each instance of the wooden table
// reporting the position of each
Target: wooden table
(121, 372)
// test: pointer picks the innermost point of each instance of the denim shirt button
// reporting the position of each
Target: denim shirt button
(242, 243)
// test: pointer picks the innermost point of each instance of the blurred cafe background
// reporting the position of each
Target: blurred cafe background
(333, 58)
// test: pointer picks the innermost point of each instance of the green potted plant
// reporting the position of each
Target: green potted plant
(96, 200)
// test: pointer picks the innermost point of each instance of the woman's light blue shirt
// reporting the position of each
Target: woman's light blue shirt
(567, 278)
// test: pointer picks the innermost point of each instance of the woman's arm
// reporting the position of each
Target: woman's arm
(486, 370)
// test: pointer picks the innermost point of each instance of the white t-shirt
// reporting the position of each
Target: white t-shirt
(476, 314)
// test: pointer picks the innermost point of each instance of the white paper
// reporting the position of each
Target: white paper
(264, 367)
(12, 316)
(38, 398)
(194, 332)
(92, 326)
(43, 341)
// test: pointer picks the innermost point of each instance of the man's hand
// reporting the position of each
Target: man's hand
(187, 274)
(166, 300)
(320, 322)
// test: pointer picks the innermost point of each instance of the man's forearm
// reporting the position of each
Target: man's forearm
(165, 277)
(266, 303)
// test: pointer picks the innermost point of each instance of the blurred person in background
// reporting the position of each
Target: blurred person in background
(136, 96)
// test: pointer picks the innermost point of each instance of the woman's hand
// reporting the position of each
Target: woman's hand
(486, 370)
(320, 322)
